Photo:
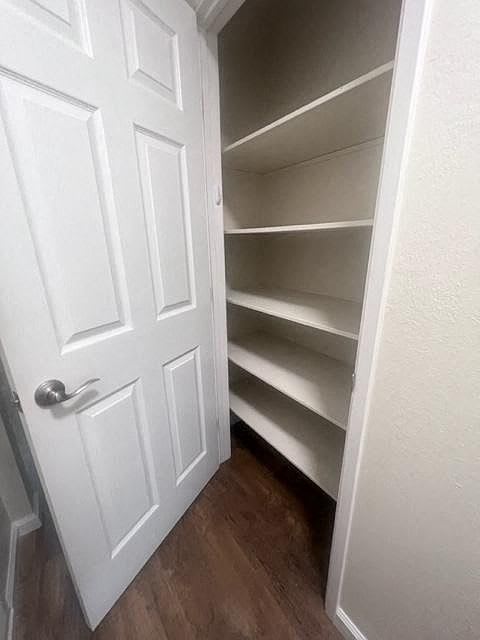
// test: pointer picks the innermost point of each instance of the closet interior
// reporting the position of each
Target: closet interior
(305, 87)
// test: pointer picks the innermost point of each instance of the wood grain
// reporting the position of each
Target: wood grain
(247, 561)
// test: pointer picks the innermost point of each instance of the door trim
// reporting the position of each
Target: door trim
(212, 16)
(214, 208)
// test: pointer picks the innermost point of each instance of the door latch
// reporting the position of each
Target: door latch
(15, 401)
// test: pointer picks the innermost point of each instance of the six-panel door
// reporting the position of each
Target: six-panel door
(105, 271)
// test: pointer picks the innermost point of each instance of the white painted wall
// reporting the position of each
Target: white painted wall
(413, 564)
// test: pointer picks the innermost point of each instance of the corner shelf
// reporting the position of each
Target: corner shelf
(351, 114)
(318, 382)
(313, 445)
(333, 315)
(303, 228)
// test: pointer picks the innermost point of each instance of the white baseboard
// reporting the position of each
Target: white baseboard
(9, 635)
(349, 629)
(27, 524)
(19, 527)
(12, 557)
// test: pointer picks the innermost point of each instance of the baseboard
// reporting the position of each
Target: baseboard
(19, 527)
(9, 635)
(12, 557)
(349, 629)
(27, 524)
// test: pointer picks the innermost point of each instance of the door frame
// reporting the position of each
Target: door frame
(214, 210)
(409, 60)
(212, 16)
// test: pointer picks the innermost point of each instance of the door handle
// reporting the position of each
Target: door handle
(53, 392)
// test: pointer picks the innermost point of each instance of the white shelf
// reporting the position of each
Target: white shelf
(302, 228)
(313, 445)
(347, 116)
(341, 317)
(319, 383)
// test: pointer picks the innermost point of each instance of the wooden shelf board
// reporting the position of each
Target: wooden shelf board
(317, 382)
(333, 315)
(313, 445)
(303, 228)
(347, 116)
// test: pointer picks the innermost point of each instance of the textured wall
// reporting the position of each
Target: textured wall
(413, 565)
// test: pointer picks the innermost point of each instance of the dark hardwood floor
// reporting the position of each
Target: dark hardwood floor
(247, 561)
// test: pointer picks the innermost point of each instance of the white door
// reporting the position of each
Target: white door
(104, 271)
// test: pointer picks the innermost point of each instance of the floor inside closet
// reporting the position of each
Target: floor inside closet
(248, 560)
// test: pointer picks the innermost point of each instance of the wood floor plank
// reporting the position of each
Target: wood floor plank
(248, 561)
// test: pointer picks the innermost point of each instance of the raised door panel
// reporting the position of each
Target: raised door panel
(59, 151)
(184, 392)
(163, 177)
(151, 50)
(66, 19)
(119, 458)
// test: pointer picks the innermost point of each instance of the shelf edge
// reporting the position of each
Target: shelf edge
(286, 394)
(353, 84)
(235, 400)
(313, 227)
(291, 318)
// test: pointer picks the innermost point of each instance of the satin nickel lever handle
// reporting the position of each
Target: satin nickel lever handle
(53, 392)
